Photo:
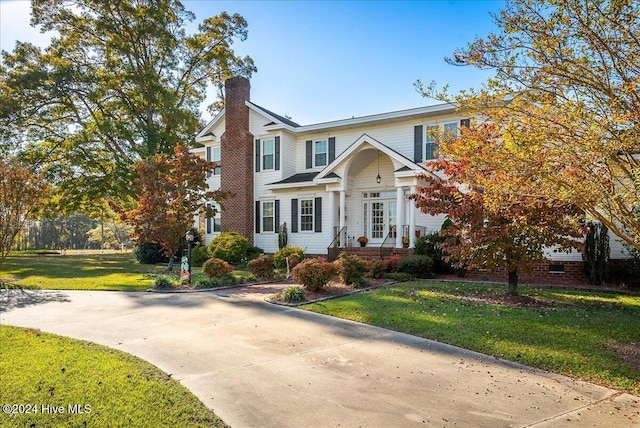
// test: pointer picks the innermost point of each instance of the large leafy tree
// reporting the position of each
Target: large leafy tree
(170, 190)
(512, 235)
(120, 82)
(21, 193)
(566, 96)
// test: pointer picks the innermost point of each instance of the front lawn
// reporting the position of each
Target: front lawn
(590, 336)
(48, 380)
(119, 272)
(80, 272)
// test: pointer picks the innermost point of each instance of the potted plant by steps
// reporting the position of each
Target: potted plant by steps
(405, 241)
(363, 241)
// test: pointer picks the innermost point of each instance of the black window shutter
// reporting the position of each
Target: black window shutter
(417, 143)
(276, 208)
(257, 216)
(294, 216)
(465, 123)
(277, 154)
(317, 212)
(309, 154)
(208, 160)
(257, 155)
(332, 149)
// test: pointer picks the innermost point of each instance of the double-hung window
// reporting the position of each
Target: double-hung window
(213, 223)
(268, 154)
(320, 149)
(215, 157)
(306, 215)
(451, 130)
(268, 217)
(431, 140)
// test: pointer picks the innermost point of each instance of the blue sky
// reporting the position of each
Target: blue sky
(326, 60)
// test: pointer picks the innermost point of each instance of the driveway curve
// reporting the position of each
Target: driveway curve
(262, 365)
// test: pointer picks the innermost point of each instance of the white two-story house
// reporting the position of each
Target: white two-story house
(331, 182)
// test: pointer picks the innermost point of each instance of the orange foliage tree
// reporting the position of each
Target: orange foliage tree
(170, 191)
(512, 235)
(21, 192)
(566, 98)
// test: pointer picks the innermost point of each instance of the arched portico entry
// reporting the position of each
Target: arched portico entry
(372, 196)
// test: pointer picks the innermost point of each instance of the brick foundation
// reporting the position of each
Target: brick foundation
(236, 172)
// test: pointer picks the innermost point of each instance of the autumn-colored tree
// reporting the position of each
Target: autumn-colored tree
(512, 235)
(170, 191)
(21, 192)
(567, 101)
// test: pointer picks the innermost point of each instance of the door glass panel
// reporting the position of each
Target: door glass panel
(377, 220)
(393, 217)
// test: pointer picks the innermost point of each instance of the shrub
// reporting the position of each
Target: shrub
(216, 268)
(399, 277)
(418, 266)
(428, 246)
(262, 267)
(376, 268)
(230, 247)
(149, 254)
(295, 255)
(596, 253)
(163, 282)
(254, 252)
(199, 255)
(314, 274)
(392, 262)
(293, 294)
(351, 269)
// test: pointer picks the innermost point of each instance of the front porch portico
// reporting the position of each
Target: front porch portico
(370, 197)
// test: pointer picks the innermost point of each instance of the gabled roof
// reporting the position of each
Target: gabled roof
(273, 118)
(277, 117)
(366, 139)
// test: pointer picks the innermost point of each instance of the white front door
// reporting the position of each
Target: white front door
(382, 218)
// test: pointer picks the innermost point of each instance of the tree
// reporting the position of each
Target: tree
(566, 97)
(512, 236)
(170, 190)
(120, 82)
(21, 193)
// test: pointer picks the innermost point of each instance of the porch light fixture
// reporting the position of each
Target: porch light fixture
(378, 178)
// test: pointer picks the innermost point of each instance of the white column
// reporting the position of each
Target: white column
(412, 221)
(332, 213)
(343, 220)
(400, 215)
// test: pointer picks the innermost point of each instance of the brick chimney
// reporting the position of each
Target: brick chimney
(236, 160)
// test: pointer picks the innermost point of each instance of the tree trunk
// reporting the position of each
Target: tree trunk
(170, 267)
(512, 288)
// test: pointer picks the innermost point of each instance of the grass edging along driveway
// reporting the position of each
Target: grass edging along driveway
(587, 335)
(50, 380)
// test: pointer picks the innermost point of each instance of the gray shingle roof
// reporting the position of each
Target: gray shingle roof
(277, 116)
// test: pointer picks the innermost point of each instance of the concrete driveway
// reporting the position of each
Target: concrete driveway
(261, 365)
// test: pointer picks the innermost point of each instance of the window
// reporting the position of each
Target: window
(432, 145)
(451, 130)
(306, 215)
(320, 152)
(213, 223)
(268, 154)
(215, 157)
(268, 217)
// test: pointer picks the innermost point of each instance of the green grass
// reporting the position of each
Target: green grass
(39, 369)
(119, 272)
(80, 272)
(575, 336)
